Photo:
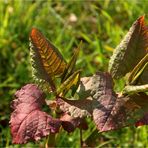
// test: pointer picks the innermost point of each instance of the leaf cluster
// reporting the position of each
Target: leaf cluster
(92, 96)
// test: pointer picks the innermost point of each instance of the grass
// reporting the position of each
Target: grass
(99, 24)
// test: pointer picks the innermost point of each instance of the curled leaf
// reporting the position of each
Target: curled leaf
(28, 121)
(69, 76)
(131, 49)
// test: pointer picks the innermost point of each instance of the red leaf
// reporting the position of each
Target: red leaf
(115, 112)
(109, 111)
(27, 121)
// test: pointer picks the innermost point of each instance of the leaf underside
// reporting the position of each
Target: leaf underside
(131, 50)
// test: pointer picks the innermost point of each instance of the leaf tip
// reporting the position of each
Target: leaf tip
(33, 31)
(141, 18)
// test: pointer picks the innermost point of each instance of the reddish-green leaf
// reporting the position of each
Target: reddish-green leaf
(131, 50)
(46, 60)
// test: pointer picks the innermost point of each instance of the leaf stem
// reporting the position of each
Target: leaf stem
(130, 89)
(81, 138)
(50, 141)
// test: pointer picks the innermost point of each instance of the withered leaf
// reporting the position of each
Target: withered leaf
(28, 121)
(131, 49)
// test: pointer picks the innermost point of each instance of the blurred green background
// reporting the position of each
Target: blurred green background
(99, 24)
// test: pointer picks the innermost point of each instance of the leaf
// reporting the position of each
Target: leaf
(28, 122)
(117, 112)
(69, 76)
(71, 65)
(109, 111)
(76, 84)
(70, 124)
(46, 60)
(96, 85)
(70, 82)
(76, 108)
(131, 50)
(90, 89)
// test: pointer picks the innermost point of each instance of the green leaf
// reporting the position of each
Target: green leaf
(76, 85)
(71, 65)
(70, 82)
(46, 60)
(131, 50)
